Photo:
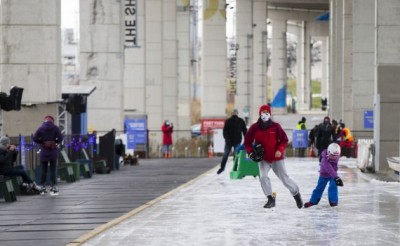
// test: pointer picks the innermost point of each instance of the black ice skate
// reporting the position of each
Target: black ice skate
(299, 201)
(270, 203)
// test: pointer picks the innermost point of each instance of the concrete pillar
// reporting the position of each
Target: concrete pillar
(278, 64)
(30, 58)
(335, 100)
(101, 62)
(154, 57)
(387, 86)
(300, 65)
(244, 37)
(363, 60)
(214, 75)
(259, 79)
(325, 67)
(183, 120)
(134, 62)
(169, 61)
(306, 90)
(30, 49)
(347, 65)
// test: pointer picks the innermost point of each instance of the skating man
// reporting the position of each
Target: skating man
(273, 140)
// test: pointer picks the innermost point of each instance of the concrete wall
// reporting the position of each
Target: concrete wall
(387, 26)
(251, 57)
(183, 62)
(30, 57)
(101, 62)
(347, 65)
(26, 121)
(214, 60)
(363, 60)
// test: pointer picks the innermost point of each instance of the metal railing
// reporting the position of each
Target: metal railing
(186, 144)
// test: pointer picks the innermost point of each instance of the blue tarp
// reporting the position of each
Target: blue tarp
(323, 17)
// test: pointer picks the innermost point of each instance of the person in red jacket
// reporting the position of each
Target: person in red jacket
(273, 141)
(167, 128)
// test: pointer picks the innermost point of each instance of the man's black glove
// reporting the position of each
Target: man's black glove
(259, 150)
(255, 157)
(338, 181)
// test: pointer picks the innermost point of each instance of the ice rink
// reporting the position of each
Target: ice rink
(215, 210)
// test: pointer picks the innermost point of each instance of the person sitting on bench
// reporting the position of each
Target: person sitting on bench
(8, 152)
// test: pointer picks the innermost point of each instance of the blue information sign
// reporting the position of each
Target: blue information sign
(300, 139)
(136, 131)
(368, 119)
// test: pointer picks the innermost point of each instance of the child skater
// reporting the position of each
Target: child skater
(327, 173)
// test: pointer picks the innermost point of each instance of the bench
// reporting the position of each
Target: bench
(80, 168)
(7, 189)
(67, 173)
(98, 165)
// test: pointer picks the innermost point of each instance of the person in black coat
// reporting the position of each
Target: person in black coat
(8, 153)
(234, 127)
(325, 135)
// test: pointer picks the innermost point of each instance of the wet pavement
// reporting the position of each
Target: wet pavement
(215, 210)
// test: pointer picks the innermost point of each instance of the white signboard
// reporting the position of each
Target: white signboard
(219, 141)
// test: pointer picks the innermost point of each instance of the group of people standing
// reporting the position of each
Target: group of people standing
(265, 143)
(331, 132)
(48, 136)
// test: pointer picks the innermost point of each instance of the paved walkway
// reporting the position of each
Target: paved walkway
(85, 205)
(214, 210)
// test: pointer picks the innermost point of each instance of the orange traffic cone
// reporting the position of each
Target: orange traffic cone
(210, 151)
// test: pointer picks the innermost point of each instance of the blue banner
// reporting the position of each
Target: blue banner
(130, 138)
(280, 98)
(368, 119)
(300, 139)
(132, 125)
(136, 132)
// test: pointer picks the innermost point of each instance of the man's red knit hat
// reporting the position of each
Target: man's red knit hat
(264, 107)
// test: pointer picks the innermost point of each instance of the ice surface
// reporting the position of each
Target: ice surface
(218, 211)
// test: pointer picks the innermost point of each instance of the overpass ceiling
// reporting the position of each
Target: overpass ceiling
(300, 4)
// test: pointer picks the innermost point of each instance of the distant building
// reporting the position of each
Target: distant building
(70, 61)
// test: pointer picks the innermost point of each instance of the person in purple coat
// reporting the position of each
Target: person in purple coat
(327, 173)
(48, 135)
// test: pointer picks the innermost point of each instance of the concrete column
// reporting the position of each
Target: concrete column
(363, 60)
(135, 65)
(325, 67)
(307, 68)
(347, 64)
(387, 86)
(336, 98)
(30, 49)
(300, 65)
(214, 69)
(244, 39)
(154, 57)
(259, 78)
(170, 61)
(278, 64)
(183, 90)
(101, 62)
(30, 58)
